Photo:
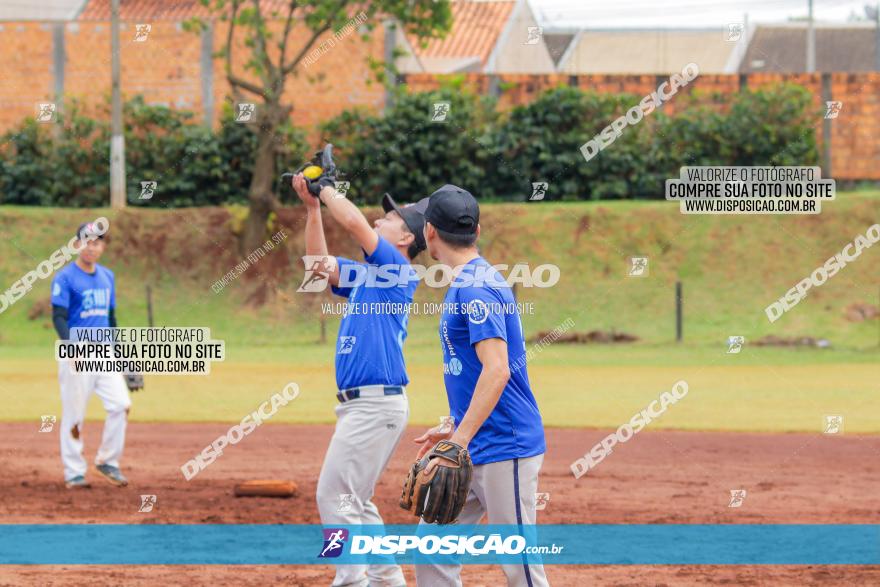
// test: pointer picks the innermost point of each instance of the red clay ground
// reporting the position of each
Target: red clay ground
(658, 477)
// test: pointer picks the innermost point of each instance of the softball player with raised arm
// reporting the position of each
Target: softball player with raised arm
(84, 295)
(495, 414)
(370, 371)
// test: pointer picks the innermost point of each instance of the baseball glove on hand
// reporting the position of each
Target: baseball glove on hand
(439, 495)
(134, 381)
(320, 172)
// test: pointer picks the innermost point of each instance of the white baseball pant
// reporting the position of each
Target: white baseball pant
(368, 429)
(76, 389)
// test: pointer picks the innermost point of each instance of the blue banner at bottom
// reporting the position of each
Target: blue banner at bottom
(551, 544)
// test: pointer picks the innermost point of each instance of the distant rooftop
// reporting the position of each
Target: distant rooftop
(476, 27)
(850, 48)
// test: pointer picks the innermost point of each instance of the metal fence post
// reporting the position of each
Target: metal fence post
(678, 312)
(206, 73)
(149, 306)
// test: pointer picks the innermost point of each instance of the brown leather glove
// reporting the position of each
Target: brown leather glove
(439, 495)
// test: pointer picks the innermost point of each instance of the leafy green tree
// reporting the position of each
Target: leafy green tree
(270, 63)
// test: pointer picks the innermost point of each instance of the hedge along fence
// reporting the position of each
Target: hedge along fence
(499, 156)
(67, 163)
(495, 154)
(410, 155)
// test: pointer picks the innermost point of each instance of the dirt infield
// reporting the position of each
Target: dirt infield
(657, 477)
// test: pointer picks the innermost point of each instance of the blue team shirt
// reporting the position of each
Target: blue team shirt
(476, 312)
(369, 349)
(88, 297)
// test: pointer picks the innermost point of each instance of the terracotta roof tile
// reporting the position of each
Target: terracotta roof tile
(475, 30)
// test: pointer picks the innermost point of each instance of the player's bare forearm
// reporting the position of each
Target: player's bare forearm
(351, 219)
(316, 244)
(490, 385)
(492, 353)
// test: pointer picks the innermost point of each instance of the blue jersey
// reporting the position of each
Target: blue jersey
(471, 313)
(88, 297)
(369, 349)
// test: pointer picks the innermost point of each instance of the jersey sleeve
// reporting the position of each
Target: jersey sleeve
(385, 254)
(484, 312)
(60, 291)
(345, 269)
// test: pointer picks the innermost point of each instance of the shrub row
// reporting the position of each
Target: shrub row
(499, 156)
(410, 150)
(67, 163)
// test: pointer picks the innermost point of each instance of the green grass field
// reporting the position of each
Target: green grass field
(731, 267)
(779, 390)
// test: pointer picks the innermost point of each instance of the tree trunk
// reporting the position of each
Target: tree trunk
(260, 195)
(264, 181)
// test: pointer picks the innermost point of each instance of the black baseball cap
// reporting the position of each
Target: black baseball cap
(413, 216)
(454, 210)
(87, 229)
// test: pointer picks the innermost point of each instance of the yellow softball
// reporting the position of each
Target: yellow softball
(312, 172)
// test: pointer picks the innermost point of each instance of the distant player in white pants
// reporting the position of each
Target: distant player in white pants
(495, 413)
(370, 371)
(84, 296)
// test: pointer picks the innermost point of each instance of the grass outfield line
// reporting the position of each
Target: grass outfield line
(760, 390)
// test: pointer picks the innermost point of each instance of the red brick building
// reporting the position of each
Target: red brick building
(67, 55)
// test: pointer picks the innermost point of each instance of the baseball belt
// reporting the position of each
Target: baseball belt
(346, 395)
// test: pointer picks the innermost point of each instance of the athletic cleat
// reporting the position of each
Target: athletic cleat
(78, 482)
(112, 474)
